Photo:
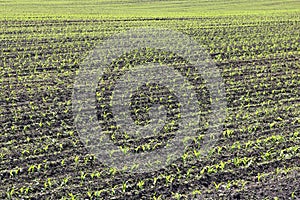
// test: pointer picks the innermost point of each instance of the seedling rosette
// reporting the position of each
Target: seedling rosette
(152, 108)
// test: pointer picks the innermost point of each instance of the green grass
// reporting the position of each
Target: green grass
(143, 8)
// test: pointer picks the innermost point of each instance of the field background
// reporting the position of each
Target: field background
(144, 8)
(255, 45)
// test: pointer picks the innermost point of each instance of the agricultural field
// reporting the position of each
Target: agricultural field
(255, 50)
